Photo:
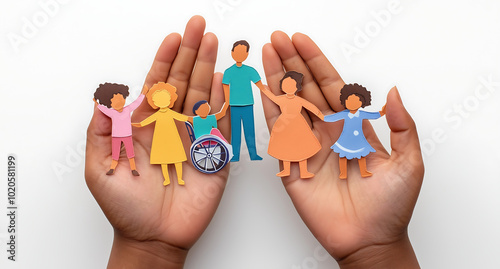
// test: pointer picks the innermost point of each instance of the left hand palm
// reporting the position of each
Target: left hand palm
(141, 208)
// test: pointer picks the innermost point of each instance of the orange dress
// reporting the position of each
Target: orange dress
(292, 139)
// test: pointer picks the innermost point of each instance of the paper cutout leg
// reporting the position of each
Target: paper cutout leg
(362, 168)
(236, 132)
(178, 168)
(249, 129)
(303, 170)
(343, 168)
(286, 170)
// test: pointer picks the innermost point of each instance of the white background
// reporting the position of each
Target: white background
(436, 52)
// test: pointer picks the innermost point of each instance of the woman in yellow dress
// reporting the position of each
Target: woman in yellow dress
(167, 146)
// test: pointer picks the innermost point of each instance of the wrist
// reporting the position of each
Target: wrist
(397, 254)
(127, 253)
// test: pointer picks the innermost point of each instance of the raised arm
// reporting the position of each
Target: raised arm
(219, 115)
(107, 111)
(136, 103)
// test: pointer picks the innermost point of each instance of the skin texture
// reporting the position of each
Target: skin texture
(154, 226)
(361, 222)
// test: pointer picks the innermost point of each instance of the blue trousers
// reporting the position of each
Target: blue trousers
(243, 115)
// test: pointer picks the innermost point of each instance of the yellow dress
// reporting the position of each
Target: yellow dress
(167, 145)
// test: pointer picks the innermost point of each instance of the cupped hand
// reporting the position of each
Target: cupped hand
(362, 222)
(154, 224)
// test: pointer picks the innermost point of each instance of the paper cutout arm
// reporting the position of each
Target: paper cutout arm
(265, 90)
(179, 116)
(372, 115)
(260, 85)
(136, 103)
(190, 119)
(148, 120)
(335, 117)
(312, 108)
(226, 92)
(222, 112)
(144, 90)
(105, 110)
(382, 111)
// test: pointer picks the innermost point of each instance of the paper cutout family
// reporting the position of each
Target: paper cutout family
(210, 151)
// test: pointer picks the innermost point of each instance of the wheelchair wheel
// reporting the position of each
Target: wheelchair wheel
(209, 155)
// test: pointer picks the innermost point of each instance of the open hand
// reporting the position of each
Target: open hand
(362, 222)
(155, 225)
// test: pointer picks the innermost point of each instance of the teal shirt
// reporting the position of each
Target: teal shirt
(203, 126)
(240, 81)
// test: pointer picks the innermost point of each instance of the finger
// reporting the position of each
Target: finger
(273, 70)
(159, 69)
(201, 80)
(293, 61)
(216, 103)
(404, 137)
(182, 67)
(323, 71)
(163, 60)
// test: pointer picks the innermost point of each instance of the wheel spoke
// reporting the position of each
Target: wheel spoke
(219, 160)
(198, 161)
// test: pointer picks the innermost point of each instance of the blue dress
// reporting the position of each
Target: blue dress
(352, 142)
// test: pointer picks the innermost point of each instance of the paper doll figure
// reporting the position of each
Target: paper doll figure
(352, 142)
(110, 100)
(292, 140)
(237, 83)
(203, 123)
(167, 146)
(210, 151)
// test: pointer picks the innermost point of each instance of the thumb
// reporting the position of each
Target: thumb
(404, 137)
(98, 139)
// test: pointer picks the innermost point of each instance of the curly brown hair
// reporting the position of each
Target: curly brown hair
(349, 89)
(106, 91)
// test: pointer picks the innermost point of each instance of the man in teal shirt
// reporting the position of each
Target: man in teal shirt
(237, 83)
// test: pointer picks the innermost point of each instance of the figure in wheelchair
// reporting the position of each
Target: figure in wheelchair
(209, 151)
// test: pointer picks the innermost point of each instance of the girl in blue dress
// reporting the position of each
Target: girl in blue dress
(352, 142)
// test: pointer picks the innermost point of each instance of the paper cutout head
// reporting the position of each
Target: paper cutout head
(201, 108)
(291, 83)
(348, 95)
(240, 49)
(162, 95)
(111, 95)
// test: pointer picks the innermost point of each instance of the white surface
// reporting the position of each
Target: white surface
(437, 52)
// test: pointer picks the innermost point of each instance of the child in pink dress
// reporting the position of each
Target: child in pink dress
(112, 97)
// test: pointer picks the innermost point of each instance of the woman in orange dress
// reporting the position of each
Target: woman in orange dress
(292, 140)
